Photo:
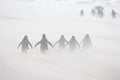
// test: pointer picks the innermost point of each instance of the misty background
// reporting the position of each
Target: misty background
(56, 18)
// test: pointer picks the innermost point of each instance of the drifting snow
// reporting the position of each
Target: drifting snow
(53, 18)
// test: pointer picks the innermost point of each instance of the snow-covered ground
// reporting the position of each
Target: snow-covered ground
(54, 18)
